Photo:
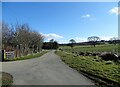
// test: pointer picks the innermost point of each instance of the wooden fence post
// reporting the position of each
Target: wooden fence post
(2, 55)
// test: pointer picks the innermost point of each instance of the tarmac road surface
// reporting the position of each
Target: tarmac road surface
(45, 70)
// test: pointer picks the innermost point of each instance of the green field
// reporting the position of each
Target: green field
(98, 48)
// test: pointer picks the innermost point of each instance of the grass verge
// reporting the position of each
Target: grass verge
(26, 57)
(6, 79)
(104, 73)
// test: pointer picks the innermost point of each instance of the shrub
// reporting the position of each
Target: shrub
(73, 52)
(88, 53)
(95, 54)
(118, 57)
(61, 49)
(81, 53)
(108, 56)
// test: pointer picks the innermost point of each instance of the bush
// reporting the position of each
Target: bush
(81, 53)
(95, 54)
(88, 54)
(108, 56)
(118, 57)
(61, 49)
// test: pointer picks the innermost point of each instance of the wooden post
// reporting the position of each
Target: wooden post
(2, 55)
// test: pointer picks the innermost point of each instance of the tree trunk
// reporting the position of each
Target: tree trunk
(94, 44)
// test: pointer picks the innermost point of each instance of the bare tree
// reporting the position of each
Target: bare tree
(21, 38)
(28, 38)
(36, 41)
(7, 35)
(93, 39)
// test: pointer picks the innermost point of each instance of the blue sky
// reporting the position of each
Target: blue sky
(63, 21)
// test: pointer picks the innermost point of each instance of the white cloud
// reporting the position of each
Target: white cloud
(115, 10)
(63, 41)
(106, 37)
(52, 36)
(86, 16)
(77, 39)
(59, 39)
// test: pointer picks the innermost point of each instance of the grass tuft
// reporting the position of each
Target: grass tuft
(6, 79)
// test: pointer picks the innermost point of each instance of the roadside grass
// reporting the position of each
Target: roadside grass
(92, 65)
(6, 79)
(36, 55)
(89, 48)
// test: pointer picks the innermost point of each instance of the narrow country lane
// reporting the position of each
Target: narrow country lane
(45, 70)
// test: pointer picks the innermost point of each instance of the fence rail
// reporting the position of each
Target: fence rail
(4, 54)
(10, 54)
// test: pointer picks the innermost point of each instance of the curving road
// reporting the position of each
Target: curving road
(45, 70)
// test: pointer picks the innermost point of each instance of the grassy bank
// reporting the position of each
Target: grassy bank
(93, 66)
(98, 48)
(36, 55)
